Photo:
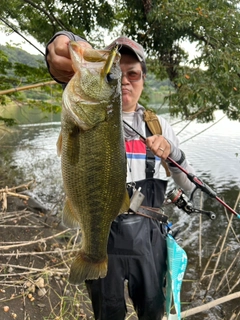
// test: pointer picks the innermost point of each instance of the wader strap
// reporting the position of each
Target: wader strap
(152, 121)
(153, 126)
(150, 158)
(153, 213)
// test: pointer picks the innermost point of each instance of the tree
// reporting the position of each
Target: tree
(202, 84)
(19, 68)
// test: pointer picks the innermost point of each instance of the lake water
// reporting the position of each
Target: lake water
(214, 151)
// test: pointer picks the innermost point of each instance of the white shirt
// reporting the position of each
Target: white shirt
(136, 156)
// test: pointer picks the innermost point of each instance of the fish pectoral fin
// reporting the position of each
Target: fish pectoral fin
(59, 144)
(84, 268)
(126, 203)
(69, 217)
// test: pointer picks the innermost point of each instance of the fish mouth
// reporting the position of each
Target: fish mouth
(83, 55)
(97, 74)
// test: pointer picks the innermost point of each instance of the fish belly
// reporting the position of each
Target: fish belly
(94, 175)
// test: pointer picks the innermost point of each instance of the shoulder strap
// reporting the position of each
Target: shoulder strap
(154, 126)
(152, 122)
(150, 157)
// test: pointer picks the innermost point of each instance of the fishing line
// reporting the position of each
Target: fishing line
(200, 131)
(199, 184)
(15, 30)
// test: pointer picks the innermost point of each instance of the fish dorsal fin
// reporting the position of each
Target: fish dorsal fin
(59, 144)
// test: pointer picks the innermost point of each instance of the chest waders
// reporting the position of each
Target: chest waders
(137, 253)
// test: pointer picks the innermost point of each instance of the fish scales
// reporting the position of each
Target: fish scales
(93, 158)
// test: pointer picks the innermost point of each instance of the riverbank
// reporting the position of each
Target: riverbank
(36, 251)
(34, 261)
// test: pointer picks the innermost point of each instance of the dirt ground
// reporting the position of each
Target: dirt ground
(35, 256)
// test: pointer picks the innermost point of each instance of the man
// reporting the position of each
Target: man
(137, 244)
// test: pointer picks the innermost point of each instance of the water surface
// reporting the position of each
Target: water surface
(30, 152)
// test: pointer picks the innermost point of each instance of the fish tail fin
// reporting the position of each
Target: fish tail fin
(84, 268)
(69, 218)
(126, 203)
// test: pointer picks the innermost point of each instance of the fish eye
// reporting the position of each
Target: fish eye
(110, 77)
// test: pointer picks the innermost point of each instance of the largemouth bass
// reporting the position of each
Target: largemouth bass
(93, 159)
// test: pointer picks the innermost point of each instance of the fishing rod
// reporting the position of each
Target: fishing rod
(193, 178)
(15, 30)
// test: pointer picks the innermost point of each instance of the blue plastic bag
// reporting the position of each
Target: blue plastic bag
(176, 266)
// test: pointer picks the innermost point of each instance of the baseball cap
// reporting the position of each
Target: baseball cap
(130, 44)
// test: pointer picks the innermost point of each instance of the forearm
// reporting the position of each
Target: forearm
(70, 35)
(179, 177)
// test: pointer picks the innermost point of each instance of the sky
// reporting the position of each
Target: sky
(17, 41)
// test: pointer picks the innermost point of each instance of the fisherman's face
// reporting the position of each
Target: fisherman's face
(131, 91)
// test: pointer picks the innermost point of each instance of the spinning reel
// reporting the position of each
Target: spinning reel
(180, 199)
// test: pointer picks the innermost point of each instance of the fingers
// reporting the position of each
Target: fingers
(159, 146)
(59, 60)
(60, 46)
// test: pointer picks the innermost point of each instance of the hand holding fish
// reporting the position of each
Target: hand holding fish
(159, 146)
(59, 60)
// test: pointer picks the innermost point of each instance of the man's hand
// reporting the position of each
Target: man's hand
(159, 146)
(58, 58)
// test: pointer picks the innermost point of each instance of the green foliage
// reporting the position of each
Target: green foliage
(19, 68)
(5, 64)
(200, 85)
(88, 14)
(7, 121)
(16, 55)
